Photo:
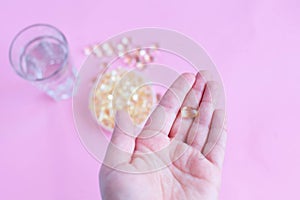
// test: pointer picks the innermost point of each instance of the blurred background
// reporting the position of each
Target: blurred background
(255, 46)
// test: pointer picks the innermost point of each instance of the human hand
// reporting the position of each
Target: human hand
(181, 159)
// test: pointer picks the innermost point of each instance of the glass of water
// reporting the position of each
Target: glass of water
(39, 53)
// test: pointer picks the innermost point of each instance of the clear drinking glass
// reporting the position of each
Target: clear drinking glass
(39, 53)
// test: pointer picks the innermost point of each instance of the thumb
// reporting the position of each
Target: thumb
(122, 142)
(123, 134)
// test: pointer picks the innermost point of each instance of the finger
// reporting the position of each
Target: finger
(206, 75)
(199, 130)
(154, 135)
(169, 105)
(214, 149)
(182, 125)
(122, 142)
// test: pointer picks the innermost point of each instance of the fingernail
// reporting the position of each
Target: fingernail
(189, 77)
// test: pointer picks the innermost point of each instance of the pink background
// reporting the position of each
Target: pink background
(255, 45)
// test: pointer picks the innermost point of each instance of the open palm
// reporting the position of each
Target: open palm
(172, 157)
